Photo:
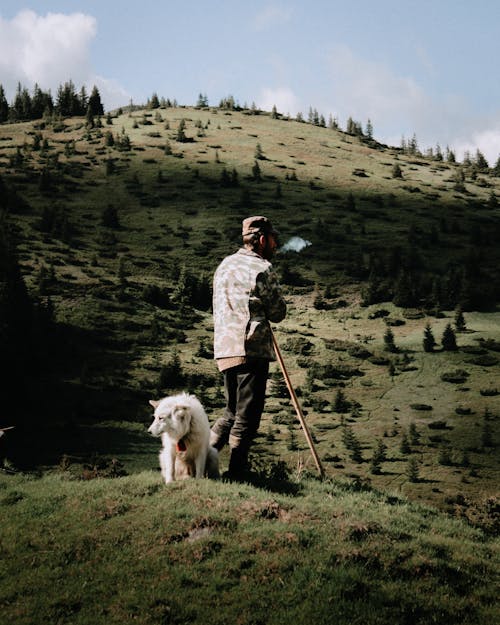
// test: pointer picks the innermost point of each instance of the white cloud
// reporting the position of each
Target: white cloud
(50, 50)
(487, 141)
(364, 89)
(271, 16)
(283, 98)
(399, 105)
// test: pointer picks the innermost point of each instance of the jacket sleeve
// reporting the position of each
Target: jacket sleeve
(271, 296)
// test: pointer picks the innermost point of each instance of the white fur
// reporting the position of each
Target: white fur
(182, 418)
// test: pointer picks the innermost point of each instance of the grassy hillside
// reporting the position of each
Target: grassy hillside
(110, 236)
(119, 228)
(130, 550)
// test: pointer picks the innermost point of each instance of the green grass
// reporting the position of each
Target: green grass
(175, 211)
(80, 546)
(134, 550)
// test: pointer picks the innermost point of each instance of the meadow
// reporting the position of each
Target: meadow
(117, 230)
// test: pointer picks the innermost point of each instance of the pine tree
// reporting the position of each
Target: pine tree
(4, 106)
(259, 154)
(404, 447)
(181, 135)
(448, 340)
(397, 171)
(89, 119)
(67, 102)
(340, 404)
(389, 344)
(413, 434)
(83, 101)
(369, 129)
(404, 289)
(496, 168)
(352, 444)
(450, 155)
(379, 456)
(154, 103)
(480, 161)
(171, 374)
(95, 104)
(460, 324)
(429, 340)
(412, 470)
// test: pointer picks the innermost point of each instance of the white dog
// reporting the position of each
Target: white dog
(183, 425)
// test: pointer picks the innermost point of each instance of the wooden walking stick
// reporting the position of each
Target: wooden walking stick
(297, 407)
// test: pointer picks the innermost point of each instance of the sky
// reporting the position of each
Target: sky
(423, 67)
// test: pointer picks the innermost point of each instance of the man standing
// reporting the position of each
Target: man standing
(247, 296)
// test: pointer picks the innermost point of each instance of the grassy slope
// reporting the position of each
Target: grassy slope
(131, 550)
(174, 210)
(330, 553)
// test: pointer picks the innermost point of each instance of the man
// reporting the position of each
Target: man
(247, 296)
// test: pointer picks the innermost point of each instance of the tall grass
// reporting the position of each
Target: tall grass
(134, 550)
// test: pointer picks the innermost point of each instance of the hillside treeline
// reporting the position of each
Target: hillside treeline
(67, 103)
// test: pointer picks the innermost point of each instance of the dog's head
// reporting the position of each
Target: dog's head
(172, 416)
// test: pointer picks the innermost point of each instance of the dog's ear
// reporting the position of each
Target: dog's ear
(154, 403)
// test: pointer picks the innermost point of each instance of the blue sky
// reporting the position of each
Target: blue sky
(428, 67)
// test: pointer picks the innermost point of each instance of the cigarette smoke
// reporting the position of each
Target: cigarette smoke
(295, 244)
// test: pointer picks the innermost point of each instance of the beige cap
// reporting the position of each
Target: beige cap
(251, 225)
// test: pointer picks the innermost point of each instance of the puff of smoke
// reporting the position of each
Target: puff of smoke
(295, 244)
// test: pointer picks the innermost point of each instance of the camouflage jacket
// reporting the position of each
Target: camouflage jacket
(247, 296)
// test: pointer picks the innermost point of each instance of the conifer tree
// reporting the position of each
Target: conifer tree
(413, 434)
(154, 103)
(379, 456)
(83, 101)
(412, 470)
(340, 403)
(4, 106)
(259, 154)
(404, 290)
(389, 344)
(352, 444)
(460, 324)
(397, 171)
(369, 129)
(89, 118)
(450, 155)
(404, 447)
(95, 104)
(496, 168)
(429, 340)
(181, 135)
(480, 161)
(448, 340)
(171, 373)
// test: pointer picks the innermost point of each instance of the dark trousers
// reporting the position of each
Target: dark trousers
(245, 391)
